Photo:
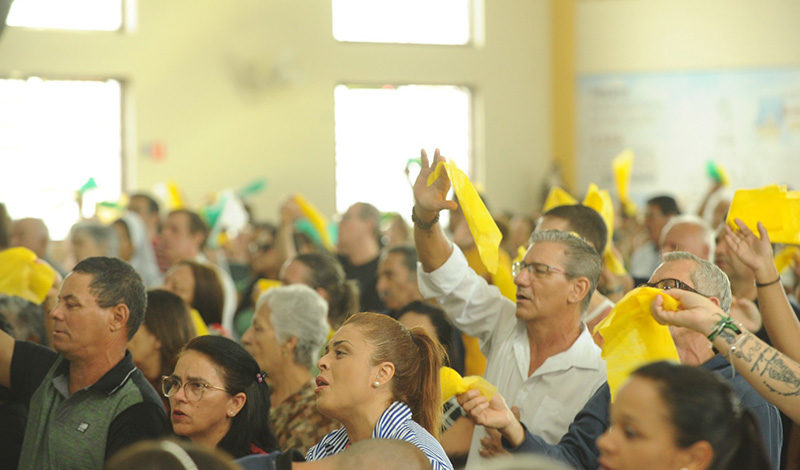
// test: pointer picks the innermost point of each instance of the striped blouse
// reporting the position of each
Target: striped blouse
(394, 423)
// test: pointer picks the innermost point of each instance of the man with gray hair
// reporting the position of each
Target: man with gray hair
(26, 317)
(89, 238)
(679, 270)
(688, 233)
(290, 327)
(538, 351)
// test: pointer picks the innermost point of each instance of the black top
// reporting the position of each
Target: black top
(367, 277)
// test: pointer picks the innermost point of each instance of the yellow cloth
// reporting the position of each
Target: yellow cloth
(785, 258)
(773, 206)
(316, 218)
(480, 222)
(622, 166)
(601, 202)
(474, 360)
(174, 198)
(632, 337)
(263, 285)
(558, 197)
(453, 384)
(23, 275)
(200, 327)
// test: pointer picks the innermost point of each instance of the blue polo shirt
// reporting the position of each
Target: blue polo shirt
(82, 430)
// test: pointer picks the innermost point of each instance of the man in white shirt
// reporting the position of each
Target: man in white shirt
(539, 353)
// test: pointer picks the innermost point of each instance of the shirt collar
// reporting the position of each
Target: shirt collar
(391, 419)
(109, 383)
(583, 354)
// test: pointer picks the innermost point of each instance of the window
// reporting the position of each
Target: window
(88, 15)
(378, 130)
(402, 21)
(54, 136)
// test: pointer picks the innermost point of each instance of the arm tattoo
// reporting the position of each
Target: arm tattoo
(781, 378)
(728, 336)
(744, 352)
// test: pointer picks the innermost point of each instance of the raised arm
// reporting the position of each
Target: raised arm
(777, 314)
(771, 373)
(433, 247)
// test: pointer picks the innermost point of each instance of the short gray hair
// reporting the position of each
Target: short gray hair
(103, 235)
(707, 278)
(297, 310)
(26, 317)
(582, 259)
(709, 235)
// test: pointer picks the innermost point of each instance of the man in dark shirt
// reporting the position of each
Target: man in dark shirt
(86, 400)
(359, 249)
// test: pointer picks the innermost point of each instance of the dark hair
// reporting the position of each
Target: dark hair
(196, 224)
(585, 221)
(152, 204)
(417, 358)
(666, 204)
(167, 318)
(162, 455)
(704, 408)
(208, 297)
(115, 282)
(5, 228)
(445, 332)
(327, 274)
(409, 254)
(240, 373)
(28, 317)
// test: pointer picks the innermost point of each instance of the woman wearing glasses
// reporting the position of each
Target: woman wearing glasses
(381, 380)
(218, 397)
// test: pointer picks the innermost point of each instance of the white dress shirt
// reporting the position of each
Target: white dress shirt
(548, 399)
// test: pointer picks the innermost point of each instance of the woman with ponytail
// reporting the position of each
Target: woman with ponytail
(218, 397)
(381, 380)
(670, 416)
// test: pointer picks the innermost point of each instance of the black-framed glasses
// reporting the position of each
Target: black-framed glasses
(193, 389)
(671, 283)
(534, 268)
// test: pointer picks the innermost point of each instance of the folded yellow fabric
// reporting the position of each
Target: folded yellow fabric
(602, 203)
(773, 206)
(558, 197)
(622, 166)
(785, 258)
(453, 384)
(22, 274)
(480, 222)
(316, 218)
(632, 337)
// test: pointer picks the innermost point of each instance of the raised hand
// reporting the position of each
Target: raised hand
(695, 312)
(431, 199)
(492, 413)
(754, 252)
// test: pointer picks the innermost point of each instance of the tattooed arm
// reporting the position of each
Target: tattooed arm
(771, 373)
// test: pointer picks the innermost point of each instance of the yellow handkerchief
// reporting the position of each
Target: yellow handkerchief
(480, 222)
(558, 197)
(773, 206)
(602, 203)
(316, 218)
(623, 167)
(785, 258)
(632, 337)
(453, 384)
(200, 327)
(22, 275)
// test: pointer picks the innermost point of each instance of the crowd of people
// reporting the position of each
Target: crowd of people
(153, 347)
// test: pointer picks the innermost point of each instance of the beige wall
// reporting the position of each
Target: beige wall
(654, 35)
(182, 91)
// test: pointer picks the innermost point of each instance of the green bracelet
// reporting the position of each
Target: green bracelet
(722, 324)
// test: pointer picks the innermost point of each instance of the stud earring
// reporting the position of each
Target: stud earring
(376, 384)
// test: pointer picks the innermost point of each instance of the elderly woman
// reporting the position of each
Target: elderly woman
(381, 380)
(218, 397)
(289, 329)
(89, 238)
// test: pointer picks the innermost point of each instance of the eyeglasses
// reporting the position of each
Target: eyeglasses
(534, 268)
(670, 283)
(193, 390)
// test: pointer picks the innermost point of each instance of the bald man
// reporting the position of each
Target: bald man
(688, 233)
(33, 235)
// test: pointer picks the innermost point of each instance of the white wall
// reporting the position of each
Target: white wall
(656, 35)
(182, 92)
